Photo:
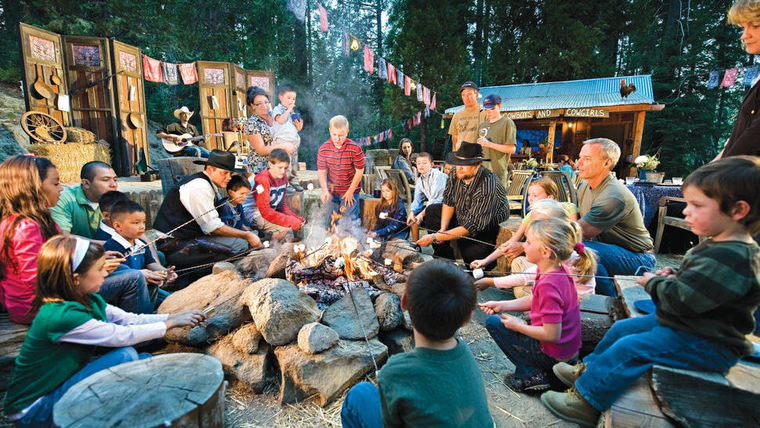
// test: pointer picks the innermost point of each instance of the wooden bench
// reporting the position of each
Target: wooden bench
(507, 228)
(11, 337)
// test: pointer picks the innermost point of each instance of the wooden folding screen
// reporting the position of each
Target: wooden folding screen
(43, 59)
(264, 80)
(237, 91)
(214, 89)
(132, 144)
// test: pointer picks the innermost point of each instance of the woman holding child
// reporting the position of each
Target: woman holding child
(258, 129)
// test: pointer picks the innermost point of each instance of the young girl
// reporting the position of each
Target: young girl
(29, 187)
(72, 323)
(554, 332)
(393, 226)
(543, 188)
(524, 272)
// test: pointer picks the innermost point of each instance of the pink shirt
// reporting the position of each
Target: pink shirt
(20, 279)
(556, 301)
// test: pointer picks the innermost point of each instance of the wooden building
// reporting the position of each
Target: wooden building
(568, 113)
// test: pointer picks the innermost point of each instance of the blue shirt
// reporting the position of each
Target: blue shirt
(137, 259)
(233, 216)
(428, 189)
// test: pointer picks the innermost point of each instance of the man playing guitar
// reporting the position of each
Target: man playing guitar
(176, 131)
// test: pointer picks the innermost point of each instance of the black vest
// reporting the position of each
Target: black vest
(172, 213)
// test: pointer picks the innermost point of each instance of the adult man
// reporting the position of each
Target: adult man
(610, 217)
(191, 208)
(77, 212)
(474, 203)
(175, 130)
(497, 136)
(464, 124)
(428, 191)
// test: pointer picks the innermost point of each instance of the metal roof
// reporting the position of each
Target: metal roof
(601, 92)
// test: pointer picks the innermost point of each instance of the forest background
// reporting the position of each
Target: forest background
(438, 42)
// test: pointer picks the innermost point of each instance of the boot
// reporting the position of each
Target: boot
(571, 406)
(567, 373)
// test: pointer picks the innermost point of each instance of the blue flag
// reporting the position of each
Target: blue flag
(750, 74)
(382, 68)
(400, 78)
(714, 80)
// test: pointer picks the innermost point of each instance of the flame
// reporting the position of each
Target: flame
(335, 217)
(355, 266)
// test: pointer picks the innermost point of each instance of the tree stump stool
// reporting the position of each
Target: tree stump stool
(172, 390)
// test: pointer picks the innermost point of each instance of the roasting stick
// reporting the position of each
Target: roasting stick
(384, 216)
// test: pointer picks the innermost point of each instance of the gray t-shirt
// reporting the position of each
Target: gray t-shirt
(502, 131)
(613, 208)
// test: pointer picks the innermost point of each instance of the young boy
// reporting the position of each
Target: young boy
(105, 230)
(231, 213)
(340, 165)
(704, 309)
(128, 220)
(438, 383)
(271, 212)
(286, 126)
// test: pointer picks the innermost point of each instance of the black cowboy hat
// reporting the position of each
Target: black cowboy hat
(468, 154)
(219, 159)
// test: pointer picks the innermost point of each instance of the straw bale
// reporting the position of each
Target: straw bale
(70, 157)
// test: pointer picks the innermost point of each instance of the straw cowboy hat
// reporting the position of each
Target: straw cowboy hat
(468, 154)
(183, 109)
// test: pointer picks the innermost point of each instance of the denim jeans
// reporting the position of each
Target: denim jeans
(41, 415)
(352, 212)
(632, 346)
(524, 352)
(470, 250)
(361, 408)
(614, 260)
(127, 289)
(196, 152)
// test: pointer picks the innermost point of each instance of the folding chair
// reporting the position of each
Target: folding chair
(567, 192)
(518, 190)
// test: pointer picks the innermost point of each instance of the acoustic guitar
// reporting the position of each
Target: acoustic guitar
(186, 140)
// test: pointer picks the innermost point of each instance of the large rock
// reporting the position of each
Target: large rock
(342, 316)
(256, 264)
(398, 340)
(250, 369)
(328, 374)
(407, 322)
(315, 338)
(279, 309)
(388, 309)
(220, 290)
(277, 266)
(246, 338)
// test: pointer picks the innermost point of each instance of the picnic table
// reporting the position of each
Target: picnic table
(648, 195)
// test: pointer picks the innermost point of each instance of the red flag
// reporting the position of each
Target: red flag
(409, 123)
(426, 95)
(407, 85)
(152, 69)
(322, 18)
(432, 102)
(729, 77)
(188, 73)
(390, 134)
(368, 59)
(391, 73)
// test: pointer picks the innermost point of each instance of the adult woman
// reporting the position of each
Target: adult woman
(745, 138)
(258, 130)
(403, 160)
(29, 187)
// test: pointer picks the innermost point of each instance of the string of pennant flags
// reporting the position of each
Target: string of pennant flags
(729, 77)
(165, 72)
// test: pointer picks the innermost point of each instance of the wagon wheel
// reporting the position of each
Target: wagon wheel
(43, 127)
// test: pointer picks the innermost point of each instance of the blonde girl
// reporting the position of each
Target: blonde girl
(72, 322)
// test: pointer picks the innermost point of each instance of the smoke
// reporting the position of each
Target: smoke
(318, 228)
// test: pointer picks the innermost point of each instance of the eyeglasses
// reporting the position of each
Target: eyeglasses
(261, 103)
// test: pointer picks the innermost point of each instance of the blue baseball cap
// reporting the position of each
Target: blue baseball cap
(491, 101)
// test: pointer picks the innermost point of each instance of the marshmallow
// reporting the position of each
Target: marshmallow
(310, 186)
(339, 263)
(383, 215)
(388, 262)
(266, 244)
(477, 273)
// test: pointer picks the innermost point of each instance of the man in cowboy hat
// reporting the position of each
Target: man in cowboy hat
(474, 203)
(175, 130)
(205, 238)
(464, 124)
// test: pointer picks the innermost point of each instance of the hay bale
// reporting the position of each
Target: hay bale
(79, 135)
(70, 157)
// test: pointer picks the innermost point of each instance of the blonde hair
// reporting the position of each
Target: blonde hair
(743, 11)
(549, 208)
(549, 186)
(339, 122)
(561, 237)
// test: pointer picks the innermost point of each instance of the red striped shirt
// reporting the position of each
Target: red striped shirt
(341, 164)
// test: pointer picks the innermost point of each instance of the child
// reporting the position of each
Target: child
(271, 214)
(286, 126)
(340, 164)
(392, 226)
(231, 213)
(105, 230)
(128, 220)
(704, 309)
(73, 324)
(554, 333)
(438, 383)
(523, 273)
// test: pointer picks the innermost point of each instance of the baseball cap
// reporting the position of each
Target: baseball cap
(491, 101)
(468, 85)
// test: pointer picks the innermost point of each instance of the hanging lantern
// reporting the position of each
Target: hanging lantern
(354, 44)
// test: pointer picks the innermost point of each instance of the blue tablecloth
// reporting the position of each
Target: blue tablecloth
(648, 197)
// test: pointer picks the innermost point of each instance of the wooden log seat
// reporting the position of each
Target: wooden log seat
(11, 337)
(507, 228)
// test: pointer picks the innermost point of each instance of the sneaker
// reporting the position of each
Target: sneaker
(295, 186)
(571, 406)
(536, 383)
(567, 373)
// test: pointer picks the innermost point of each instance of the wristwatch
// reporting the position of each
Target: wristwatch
(435, 238)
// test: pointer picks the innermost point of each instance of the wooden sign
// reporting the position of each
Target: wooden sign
(587, 112)
(548, 113)
(518, 115)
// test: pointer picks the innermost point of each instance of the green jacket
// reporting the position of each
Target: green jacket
(73, 213)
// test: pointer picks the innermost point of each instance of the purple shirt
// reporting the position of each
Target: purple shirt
(556, 301)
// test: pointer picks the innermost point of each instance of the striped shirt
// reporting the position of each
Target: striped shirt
(477, 205)
(341, 165)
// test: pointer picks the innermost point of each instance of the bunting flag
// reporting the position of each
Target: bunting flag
(729, 77)
(391, 73)
(714, 80)
(322, 17)
(382, 69)
(427, 111)
(420, 96)
(418, 118)
(432, 102)
(401, 79)
(426, 96)
(380, 137)
(297, 8)
(409, 124)
(170, 73)
(346, 43)
(390, 134)
(152, 69)
(368, 59)
(407, 86)
(188, 73)
(750, 75)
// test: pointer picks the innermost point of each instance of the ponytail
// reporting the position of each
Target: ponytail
(585, 264)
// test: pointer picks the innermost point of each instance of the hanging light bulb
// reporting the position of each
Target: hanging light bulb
(412, 85)
(354, 44)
